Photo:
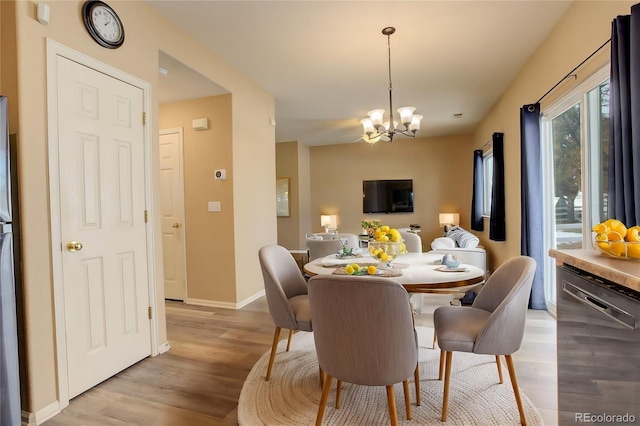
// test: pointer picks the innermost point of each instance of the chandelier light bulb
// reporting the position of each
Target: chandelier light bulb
(376, 116)
(406, 114)
(415, 123)
(367, 124)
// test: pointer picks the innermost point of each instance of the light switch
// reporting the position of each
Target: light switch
(214, 206)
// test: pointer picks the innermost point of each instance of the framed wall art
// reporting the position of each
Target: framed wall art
(283, 201)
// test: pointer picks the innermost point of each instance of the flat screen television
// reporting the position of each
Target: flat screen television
(387, 196)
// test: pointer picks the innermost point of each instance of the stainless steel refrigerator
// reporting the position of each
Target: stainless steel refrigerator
(9, 373)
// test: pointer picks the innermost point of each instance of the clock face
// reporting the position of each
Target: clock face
(103, 24)
(106, 24)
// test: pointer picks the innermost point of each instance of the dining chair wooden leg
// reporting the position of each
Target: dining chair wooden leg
(274, 347)
(516, 389)
(338, 393)
(441, 369)
(407, 399)
(391, 400)
(499, 364)
(323, 399)
(435, 340)
(447, 376)
(416, 378)
(289, 340)
(321, 374)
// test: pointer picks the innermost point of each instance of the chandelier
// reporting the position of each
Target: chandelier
(375, 128)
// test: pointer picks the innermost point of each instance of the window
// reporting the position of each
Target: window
(487, 161)
(575, 163)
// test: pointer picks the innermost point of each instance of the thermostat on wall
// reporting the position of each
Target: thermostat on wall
(220, 174)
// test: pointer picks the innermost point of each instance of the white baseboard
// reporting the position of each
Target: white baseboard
(163, 348)
(40, 416)
(225, 305)
(250, 299)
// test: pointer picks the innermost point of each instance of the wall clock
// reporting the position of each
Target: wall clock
(103, 24)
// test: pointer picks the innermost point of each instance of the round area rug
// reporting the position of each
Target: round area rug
(292, 395)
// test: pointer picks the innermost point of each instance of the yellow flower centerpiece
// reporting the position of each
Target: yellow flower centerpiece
(370, 227)
(386, 246)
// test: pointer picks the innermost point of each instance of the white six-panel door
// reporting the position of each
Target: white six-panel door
(102, 210)
(172, 213)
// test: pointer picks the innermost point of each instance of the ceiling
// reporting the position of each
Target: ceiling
(326, 62)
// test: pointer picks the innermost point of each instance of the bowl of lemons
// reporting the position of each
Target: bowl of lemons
(614, 239)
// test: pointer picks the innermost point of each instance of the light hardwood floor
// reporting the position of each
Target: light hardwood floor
(198, 381)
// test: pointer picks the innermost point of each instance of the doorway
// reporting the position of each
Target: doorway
(172, 214)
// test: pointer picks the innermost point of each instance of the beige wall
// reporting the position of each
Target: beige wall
(585, 26)
(8, 68)
(304, 195)
(441, 169)
(287, 167)
(210, 263)
(147, 33)
(292, 161)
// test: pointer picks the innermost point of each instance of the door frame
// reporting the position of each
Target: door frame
(55, 49)
(180, 132)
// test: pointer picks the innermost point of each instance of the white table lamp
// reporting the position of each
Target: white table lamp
(448, 219)
(330, 222)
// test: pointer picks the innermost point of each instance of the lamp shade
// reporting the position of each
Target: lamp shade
(449, 219)
(329, 221)
(406, 114)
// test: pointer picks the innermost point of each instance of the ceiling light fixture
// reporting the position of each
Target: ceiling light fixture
(374, 127)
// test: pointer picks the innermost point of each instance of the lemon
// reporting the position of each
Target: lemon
(355, 267)
(618, 248)
(600, 228)
(382, 238)
(395, 235)
(602, 242)
(615, 236)
(633, 250)
(633, 234)
(378, 234)
(371, 270)
(349, 269)
(384, 257)
(615, 225)
(385, 229)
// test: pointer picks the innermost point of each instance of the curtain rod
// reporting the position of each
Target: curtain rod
(570, 74)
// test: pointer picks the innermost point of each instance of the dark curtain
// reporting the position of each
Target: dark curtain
(497, 228)
(624, 137)
(477, 224)
(531, 243)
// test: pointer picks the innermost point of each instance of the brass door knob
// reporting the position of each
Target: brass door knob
(176, 225)
(74, 246)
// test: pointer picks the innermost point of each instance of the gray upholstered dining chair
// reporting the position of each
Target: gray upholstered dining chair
(287, 294)
(322, 248)
(412, 241)
(364, 334)
(493, 324)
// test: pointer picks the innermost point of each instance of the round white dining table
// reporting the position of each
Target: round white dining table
(422, 272)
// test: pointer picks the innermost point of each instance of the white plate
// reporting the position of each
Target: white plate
(445, 268)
